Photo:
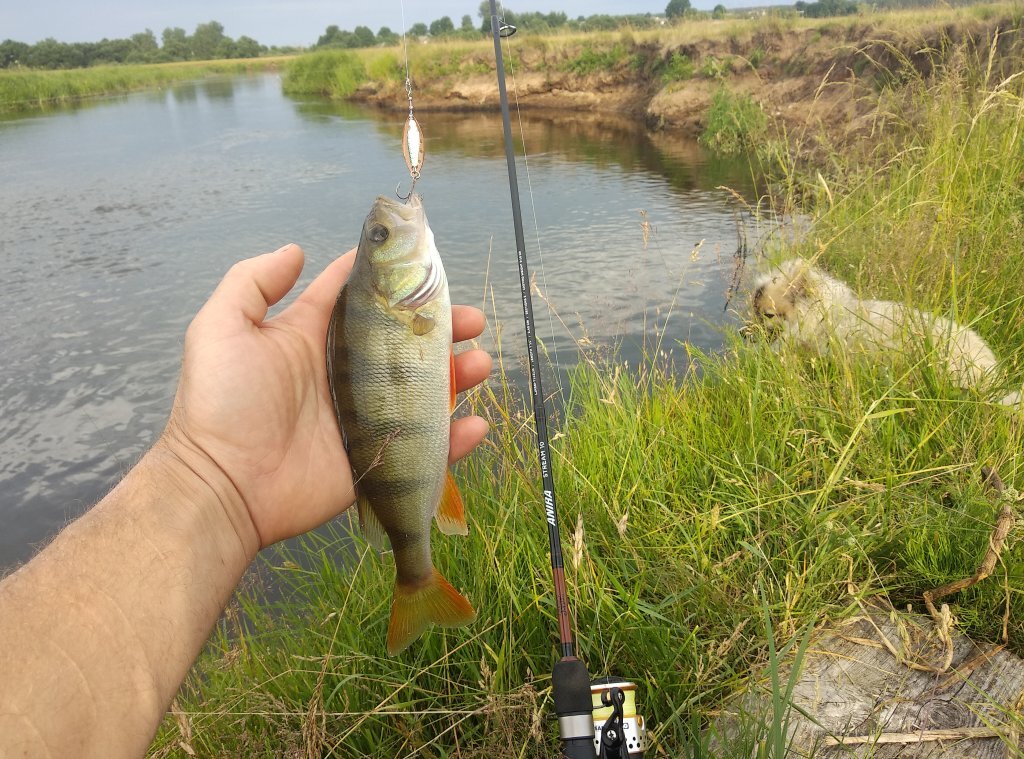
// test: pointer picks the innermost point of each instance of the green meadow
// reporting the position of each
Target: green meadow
(708, 519)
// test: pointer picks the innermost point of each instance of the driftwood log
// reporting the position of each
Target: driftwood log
(854, 697)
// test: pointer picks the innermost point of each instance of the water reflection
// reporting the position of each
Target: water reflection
(186, 92)
(602, 140)
(219, 89)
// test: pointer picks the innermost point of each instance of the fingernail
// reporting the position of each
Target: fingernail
(283, 248)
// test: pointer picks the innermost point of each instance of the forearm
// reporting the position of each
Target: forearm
(112, 614)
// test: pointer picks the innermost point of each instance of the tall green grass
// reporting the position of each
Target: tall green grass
(708, 519)
(331, 73)
(735, 123)
(24, 89)
(935, 216)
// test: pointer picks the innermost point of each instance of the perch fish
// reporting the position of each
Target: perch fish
(391, 373)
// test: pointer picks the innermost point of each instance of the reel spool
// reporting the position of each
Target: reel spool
(619, 732)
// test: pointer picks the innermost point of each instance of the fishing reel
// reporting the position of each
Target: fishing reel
(619, 732)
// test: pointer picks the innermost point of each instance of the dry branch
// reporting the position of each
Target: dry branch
(1004, 523)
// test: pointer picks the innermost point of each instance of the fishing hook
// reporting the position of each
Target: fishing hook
(398, 189)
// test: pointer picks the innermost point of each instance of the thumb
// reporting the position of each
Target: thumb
(252, 286)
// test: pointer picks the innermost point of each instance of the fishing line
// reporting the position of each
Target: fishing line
(405, 41)
(413, 143)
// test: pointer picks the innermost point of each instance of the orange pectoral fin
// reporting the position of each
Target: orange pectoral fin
(451, 513)
(451, 381)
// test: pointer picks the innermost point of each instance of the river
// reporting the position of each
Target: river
(120, 215)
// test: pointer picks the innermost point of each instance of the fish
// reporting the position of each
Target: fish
(391, 373)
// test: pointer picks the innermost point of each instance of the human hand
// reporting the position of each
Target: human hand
(253, 416)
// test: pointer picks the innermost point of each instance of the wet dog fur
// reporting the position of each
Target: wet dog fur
(798, 303)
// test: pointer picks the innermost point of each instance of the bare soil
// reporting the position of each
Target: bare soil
(833, 83)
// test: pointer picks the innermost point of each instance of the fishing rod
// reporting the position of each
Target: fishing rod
(574, 696)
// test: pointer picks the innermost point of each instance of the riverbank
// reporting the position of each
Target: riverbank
(810, 83)
(817, 81)
(703, 516)
(26, 89)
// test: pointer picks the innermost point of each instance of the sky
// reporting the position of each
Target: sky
(270, 22)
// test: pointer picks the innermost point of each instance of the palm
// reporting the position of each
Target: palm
(263, 416)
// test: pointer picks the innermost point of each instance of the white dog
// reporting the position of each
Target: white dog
(799, 303)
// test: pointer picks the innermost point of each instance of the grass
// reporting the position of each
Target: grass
(331, 73)
(25, 89)
(735, 124)
(679, 68)
(592, 59)
(710, 521)
(337, 74)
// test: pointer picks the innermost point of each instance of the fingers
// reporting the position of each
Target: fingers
(466, 435)
(467, 323)
(255, 284)
(471, 368)
(323, 291)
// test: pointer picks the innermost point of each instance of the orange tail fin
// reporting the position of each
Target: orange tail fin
(412, 609)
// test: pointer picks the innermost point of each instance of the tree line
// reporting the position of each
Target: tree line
(207, 42)
(533, 21)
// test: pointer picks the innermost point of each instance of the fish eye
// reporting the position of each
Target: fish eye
(379, 233)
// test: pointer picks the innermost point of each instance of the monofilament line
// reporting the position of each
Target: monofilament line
(405, 42)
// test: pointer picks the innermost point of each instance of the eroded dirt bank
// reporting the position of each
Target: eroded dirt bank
(831, 81)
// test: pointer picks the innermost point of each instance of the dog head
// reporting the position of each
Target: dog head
(775, 299)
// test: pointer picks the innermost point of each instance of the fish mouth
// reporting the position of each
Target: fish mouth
(389, 208)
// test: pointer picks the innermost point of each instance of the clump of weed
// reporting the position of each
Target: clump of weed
(735, 123)
(678, 68)
(591, 59)
(715, 67)
(25, 89)
(332, 73)
(385, 67)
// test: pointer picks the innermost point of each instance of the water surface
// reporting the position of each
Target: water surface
(119, 217)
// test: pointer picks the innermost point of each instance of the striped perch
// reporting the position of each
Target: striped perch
(391, 373)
